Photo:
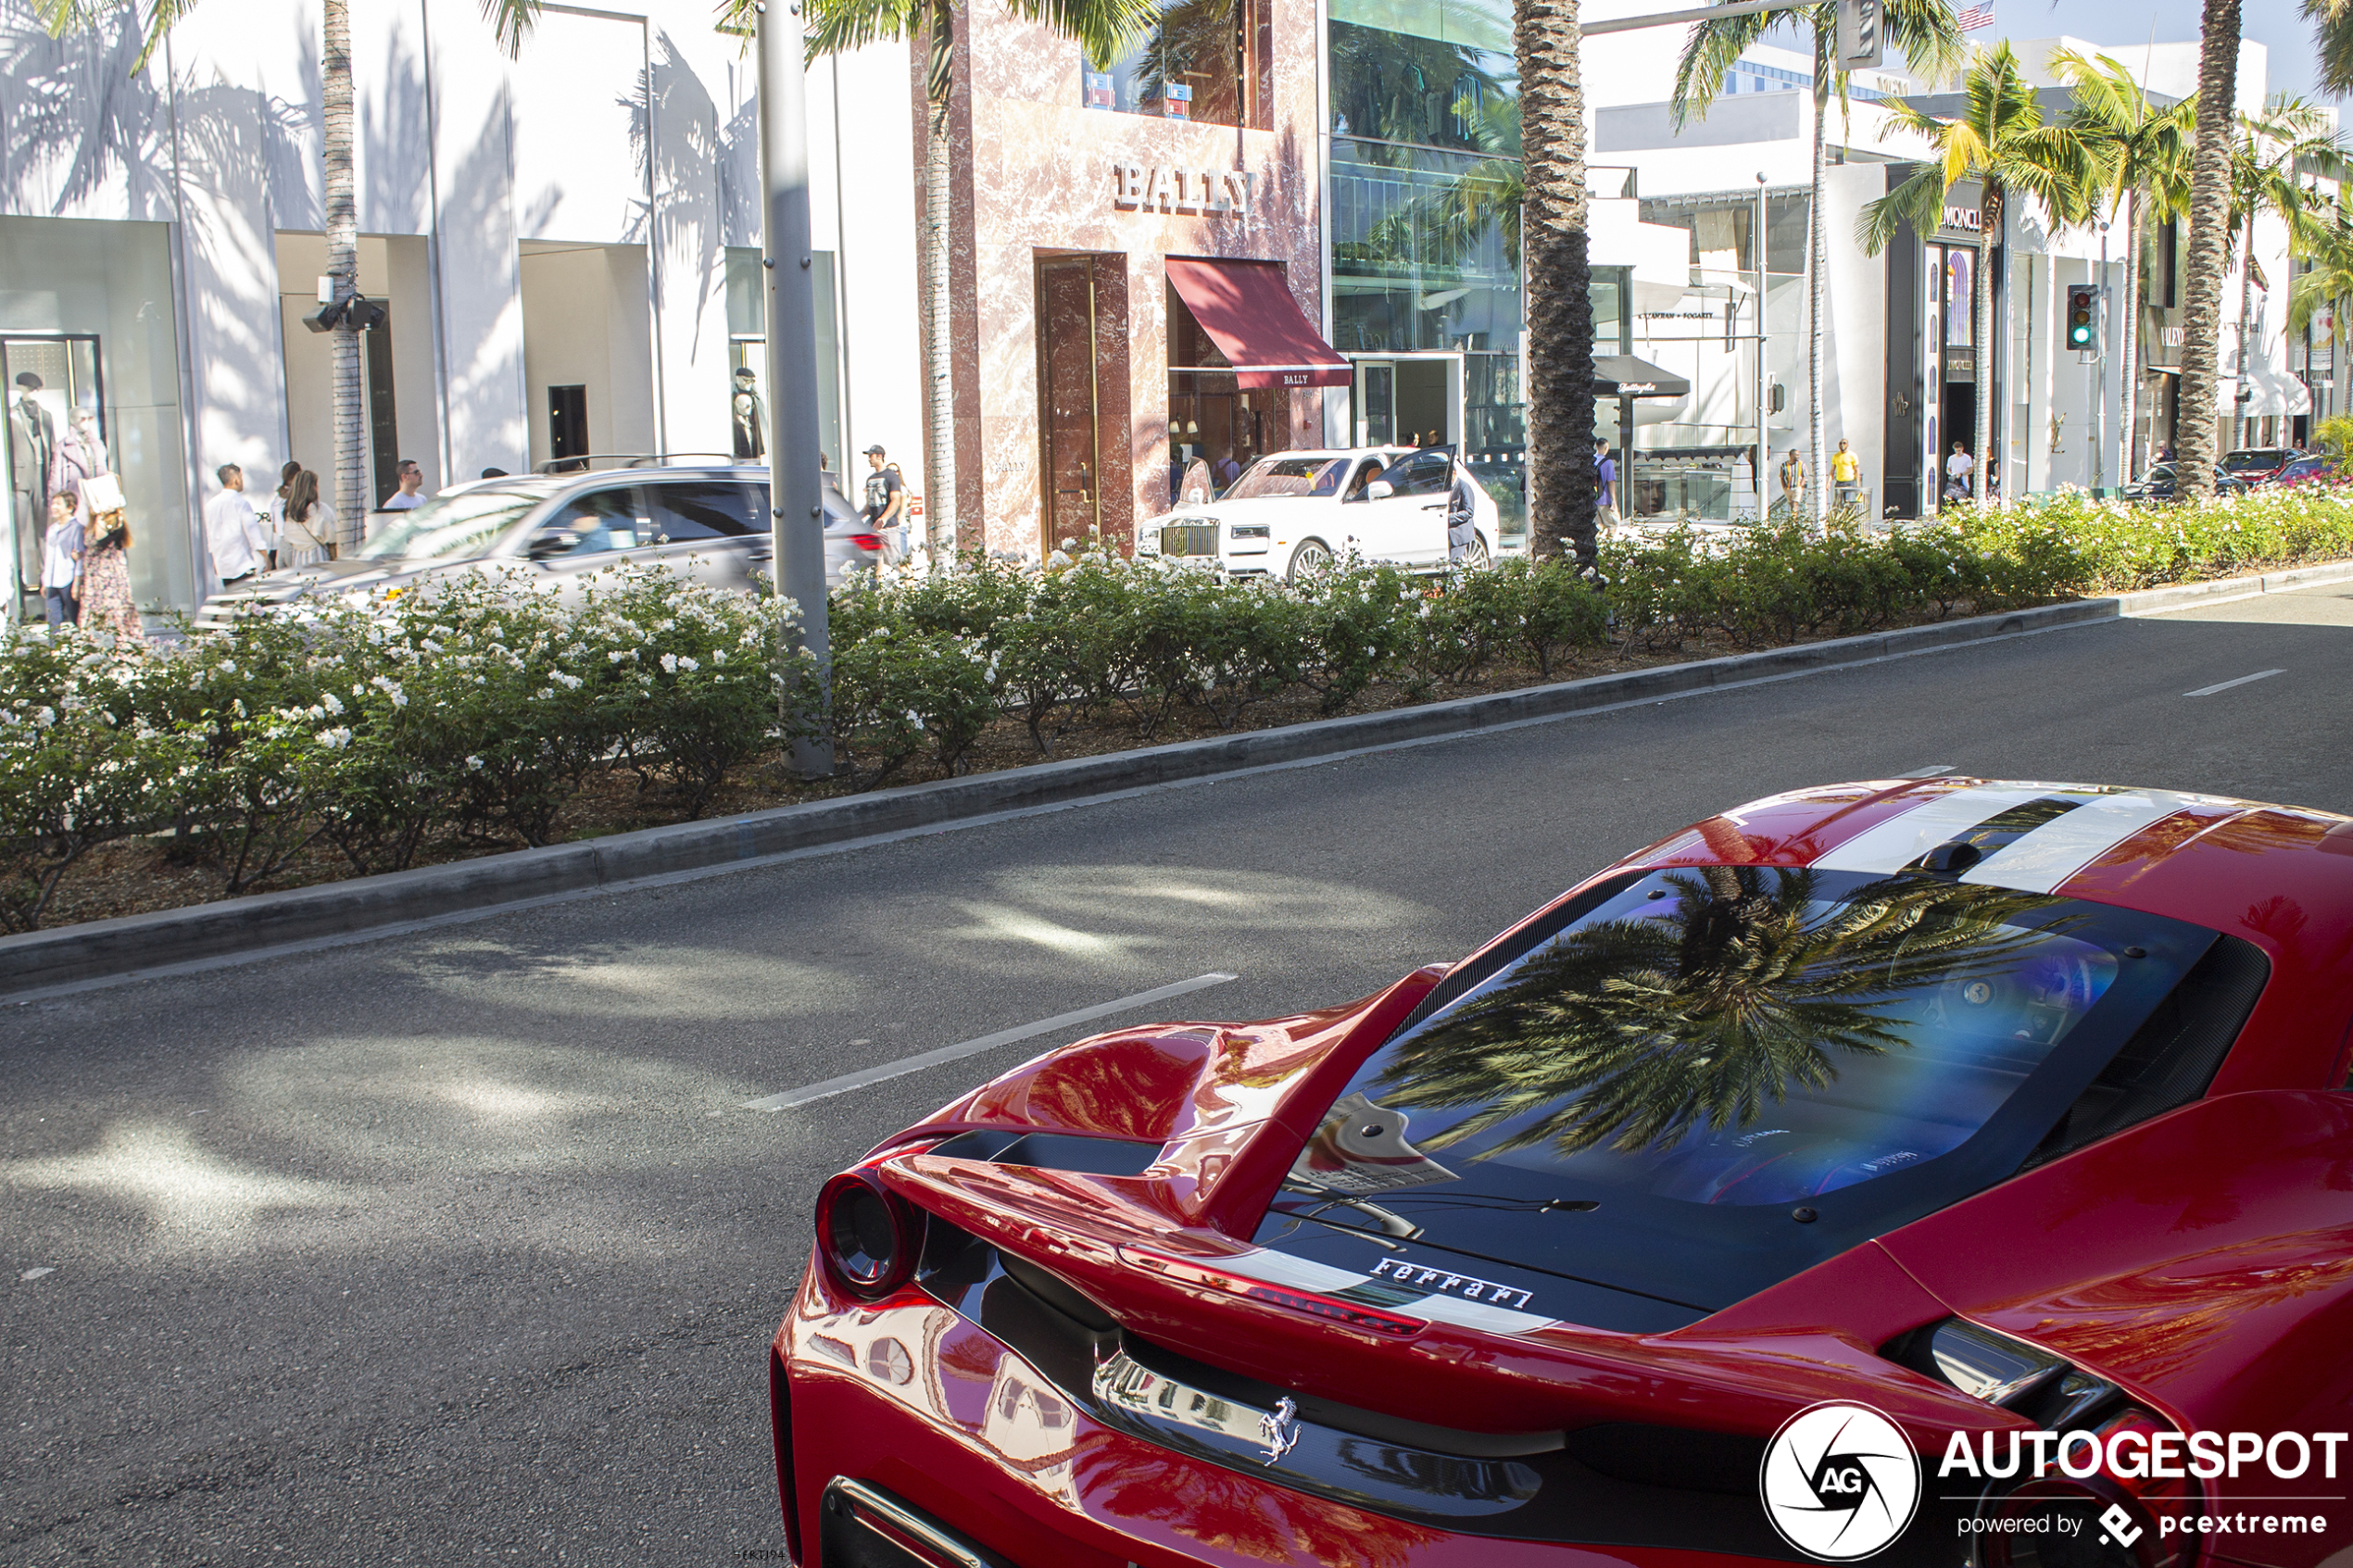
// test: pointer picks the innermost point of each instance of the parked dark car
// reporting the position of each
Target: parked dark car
(2158, 485)
(707, 521)
(2255, 464)
(2309, 469)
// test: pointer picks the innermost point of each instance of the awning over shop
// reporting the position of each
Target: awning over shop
(1622, 375)
(1248, 313)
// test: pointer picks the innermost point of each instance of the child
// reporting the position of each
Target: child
(61, 562)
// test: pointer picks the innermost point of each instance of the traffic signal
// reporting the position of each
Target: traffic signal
(2083, 317)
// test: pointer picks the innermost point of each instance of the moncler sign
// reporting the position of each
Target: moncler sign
(1213, 191)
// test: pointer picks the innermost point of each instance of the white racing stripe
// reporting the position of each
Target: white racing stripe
(1887, 847)
(2042, 859)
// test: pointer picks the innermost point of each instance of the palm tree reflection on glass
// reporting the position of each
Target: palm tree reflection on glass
(1728, 989)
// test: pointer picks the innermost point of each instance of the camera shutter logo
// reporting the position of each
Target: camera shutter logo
(1840, 1481)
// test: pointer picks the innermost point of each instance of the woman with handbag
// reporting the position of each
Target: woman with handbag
(307, 522)
(107, 604)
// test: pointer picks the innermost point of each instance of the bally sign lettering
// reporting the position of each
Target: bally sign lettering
(1181, 190)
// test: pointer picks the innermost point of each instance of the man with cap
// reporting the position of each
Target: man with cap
(751, 420)
(885, 509)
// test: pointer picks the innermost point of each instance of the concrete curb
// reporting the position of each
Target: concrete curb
(45, 960)
(2222, 590)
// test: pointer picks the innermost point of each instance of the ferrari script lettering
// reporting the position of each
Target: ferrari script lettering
(1439, 1281)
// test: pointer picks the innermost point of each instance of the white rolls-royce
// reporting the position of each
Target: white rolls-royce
(1294, 513)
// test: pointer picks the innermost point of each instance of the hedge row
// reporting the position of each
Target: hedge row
(471, 713)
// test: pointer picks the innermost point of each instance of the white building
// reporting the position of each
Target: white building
(1904, 359)
(567, 245)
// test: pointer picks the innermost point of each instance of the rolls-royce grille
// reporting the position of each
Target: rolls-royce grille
(1188, 539)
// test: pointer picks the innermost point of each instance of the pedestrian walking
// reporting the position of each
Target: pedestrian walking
(885, 508)
(107, 604)
(61, 563)
(1846, 477)
(411, 491)
(306, 523)
(240, 540)
(1462, 517)
(1605, 485)
(1793, 474)
(750, 419)
(1959, 471)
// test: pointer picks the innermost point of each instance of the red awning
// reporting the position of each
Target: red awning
(1248, 312)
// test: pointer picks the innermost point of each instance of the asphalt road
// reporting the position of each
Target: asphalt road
(459, 1245)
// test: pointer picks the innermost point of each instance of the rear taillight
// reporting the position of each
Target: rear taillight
(2112, 1518)
(1314, 1303)
(867, 541)
(867, 1235)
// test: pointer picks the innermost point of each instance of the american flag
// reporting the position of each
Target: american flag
(1976, 18)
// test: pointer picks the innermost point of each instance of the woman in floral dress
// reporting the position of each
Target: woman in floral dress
(107, 604)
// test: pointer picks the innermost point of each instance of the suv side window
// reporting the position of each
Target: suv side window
(706, 509)
(590, 525)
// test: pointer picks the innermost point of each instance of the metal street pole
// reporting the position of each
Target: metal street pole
(796, 510)
(2099, 406)
(1756, 244)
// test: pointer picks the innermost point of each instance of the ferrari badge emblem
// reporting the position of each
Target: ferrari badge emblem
(1279, 1430)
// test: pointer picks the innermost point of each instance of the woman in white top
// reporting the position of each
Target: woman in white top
(306, 523)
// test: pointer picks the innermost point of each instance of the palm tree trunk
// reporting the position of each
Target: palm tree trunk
(2128, 465)
(1559, 282)
(341, 190)
(1989, 229)
(1815, 253)
(2218, 70)
(2246, 309)
(939, 351)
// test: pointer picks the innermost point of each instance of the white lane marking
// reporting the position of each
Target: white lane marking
(2226, 685)
(828, 1088)
(1887, 847)
(35, 1273)
(1933, 770)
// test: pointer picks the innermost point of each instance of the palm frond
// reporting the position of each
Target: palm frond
(2332, 32)
(1709, 54)
(1917, 202)
(1104, 29)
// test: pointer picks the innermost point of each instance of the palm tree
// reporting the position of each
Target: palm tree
(1556, 280)
(2332, 32)
(1634, 1032)
(2143, 155)
(2329, 284)
(2002, 142)
(2274, 150)
(339, 189)
(2208, 259)
(1103, 28)
(1931, 38)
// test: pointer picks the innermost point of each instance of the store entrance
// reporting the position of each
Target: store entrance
(48, 381)
(1958, 423)
(1411, 400)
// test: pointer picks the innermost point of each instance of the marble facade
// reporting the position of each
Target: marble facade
(1037, 174)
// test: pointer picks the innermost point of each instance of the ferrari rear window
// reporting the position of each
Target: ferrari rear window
(1698, 1045)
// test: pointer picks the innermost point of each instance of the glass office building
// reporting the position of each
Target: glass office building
(1425, 192)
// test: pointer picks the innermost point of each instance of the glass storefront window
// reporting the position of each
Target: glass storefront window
(88, 308)
(1207, 60)
(1434, 73)
(747, 350)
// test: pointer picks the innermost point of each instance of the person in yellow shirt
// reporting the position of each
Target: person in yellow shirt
(1846, 477)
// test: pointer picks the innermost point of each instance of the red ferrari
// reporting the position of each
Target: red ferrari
(1944, 1172)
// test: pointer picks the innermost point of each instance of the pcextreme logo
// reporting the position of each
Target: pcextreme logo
(1840, 1481)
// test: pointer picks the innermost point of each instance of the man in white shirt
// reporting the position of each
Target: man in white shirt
(1960, 466)
(413, 483)
(240, 540)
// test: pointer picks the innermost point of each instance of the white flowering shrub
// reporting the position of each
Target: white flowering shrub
(81, 763)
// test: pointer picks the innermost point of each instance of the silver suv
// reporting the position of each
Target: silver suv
(710, 521)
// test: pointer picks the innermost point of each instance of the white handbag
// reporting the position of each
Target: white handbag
(102, 493)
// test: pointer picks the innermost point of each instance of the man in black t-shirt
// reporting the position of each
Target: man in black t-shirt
(885, 509)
